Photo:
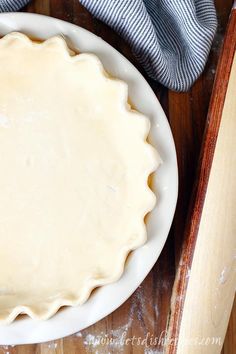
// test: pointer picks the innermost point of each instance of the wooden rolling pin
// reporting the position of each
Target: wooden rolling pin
(205, 285)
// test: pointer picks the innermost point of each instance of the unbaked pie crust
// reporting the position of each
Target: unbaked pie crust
(74, 166)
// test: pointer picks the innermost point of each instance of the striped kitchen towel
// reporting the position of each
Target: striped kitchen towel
(170, 38)
(12, 5)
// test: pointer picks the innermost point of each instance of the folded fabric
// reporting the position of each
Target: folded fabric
(170, 38)
(12, 5)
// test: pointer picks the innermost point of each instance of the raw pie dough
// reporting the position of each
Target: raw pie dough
(74, 166)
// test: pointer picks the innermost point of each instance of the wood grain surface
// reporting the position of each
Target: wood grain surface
(146, 313)
(216, 119)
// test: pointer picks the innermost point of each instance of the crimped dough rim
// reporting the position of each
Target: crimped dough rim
(46, 309)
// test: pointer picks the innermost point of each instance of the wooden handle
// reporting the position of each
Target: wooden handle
(205, 284)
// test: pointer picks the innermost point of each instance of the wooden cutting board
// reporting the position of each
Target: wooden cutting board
(206, 280)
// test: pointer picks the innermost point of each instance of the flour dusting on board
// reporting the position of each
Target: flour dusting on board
(117, 339)
(52, 345)
(4, 349)
(152, 351)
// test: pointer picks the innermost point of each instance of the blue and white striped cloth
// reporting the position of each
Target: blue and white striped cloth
(12, 5)
(170, 38)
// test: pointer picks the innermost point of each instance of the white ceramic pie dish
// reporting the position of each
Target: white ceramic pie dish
(109, 297)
